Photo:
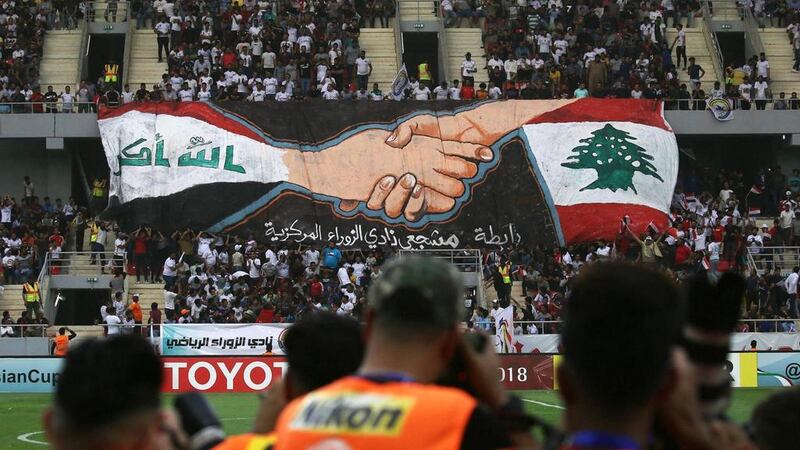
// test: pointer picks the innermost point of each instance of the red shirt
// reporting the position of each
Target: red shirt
(228, 58)
(57, 239)
(266, 316)
(315, 289)
(37, 97)
(140, 245)
(682, 254)
(467, 92)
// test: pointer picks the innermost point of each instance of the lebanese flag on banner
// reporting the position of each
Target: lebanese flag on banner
(602, 159)
(754, 211)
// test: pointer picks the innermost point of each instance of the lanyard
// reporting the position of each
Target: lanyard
(601, 439)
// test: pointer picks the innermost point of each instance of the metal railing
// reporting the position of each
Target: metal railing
(467, 261)
(534, 327)
(751, 30)
(86, 263)
(712, 44)
(22, 330)
(47, 107)
(768, 258)
(109, 11)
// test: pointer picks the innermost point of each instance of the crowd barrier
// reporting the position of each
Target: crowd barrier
(228, 374)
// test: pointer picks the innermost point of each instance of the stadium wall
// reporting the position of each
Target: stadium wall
(50, 170)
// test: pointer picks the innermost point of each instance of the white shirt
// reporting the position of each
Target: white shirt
(468, 68)
(331, 95)
(791, 283)
(113, 323)
(713, 250)
(762, 68)
(186, 95)
(169, 299)
(344, 278)
(204, 96)
(440, 93)
(119, 247)
(744, 90)
(283, 96)
(761, 90)
(681, 39)
(268, 60)
(422, 93)
(169, 268)
(544, 43)
(455, 93)
(127, 97)
(362, 66)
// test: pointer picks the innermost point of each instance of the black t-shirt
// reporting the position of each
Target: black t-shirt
(304, 70)
(694, 71)
(50, 96)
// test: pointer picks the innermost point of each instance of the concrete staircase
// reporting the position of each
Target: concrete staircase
(413, 10)
(11, 301)
(144, 66)
(725, 10)
(59, 64)
(379, 44)
(696, 47)
(459, 42)
(780, 57)
(148, 293)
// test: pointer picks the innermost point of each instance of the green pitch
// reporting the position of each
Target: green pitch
(20, 426)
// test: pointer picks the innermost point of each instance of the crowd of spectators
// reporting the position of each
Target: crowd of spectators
(22, 29)
(558, 49)
(227, 279)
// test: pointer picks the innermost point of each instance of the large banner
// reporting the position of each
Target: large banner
(375, 174)
(222, 339)
(210, 374)
(778, 369)
(29, 375)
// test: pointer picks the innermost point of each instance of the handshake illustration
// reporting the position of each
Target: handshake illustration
(422, 167)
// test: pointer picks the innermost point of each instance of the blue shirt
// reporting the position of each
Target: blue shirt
(331, 257)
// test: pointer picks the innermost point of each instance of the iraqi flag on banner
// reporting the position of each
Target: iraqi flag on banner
(600, 160)
(504, 329)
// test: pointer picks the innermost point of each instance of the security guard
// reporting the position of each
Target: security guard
(311, 366)
(110, 71)
(98, 194)
(392, 403)
(505, 273)
(32, 298)
(61, 341)
(424, 71)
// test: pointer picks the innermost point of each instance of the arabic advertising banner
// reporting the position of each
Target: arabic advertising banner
(250, 339)
(378, 174)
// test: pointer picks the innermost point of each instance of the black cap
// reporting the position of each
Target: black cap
(418, 291)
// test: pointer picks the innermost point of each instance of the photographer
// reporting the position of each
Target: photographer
(412, 338)
(108, 397)
(311, 366)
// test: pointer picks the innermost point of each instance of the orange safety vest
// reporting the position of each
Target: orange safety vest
(62, 342)
(248, 442)
(370, 415)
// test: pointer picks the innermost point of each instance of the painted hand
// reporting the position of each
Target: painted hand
(484, 124)
(426, 176)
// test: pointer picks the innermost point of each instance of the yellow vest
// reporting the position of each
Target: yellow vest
(31, 292)
(110, 71)
(424, 72)
(98, 188)
(93, 235)
(504, 272)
